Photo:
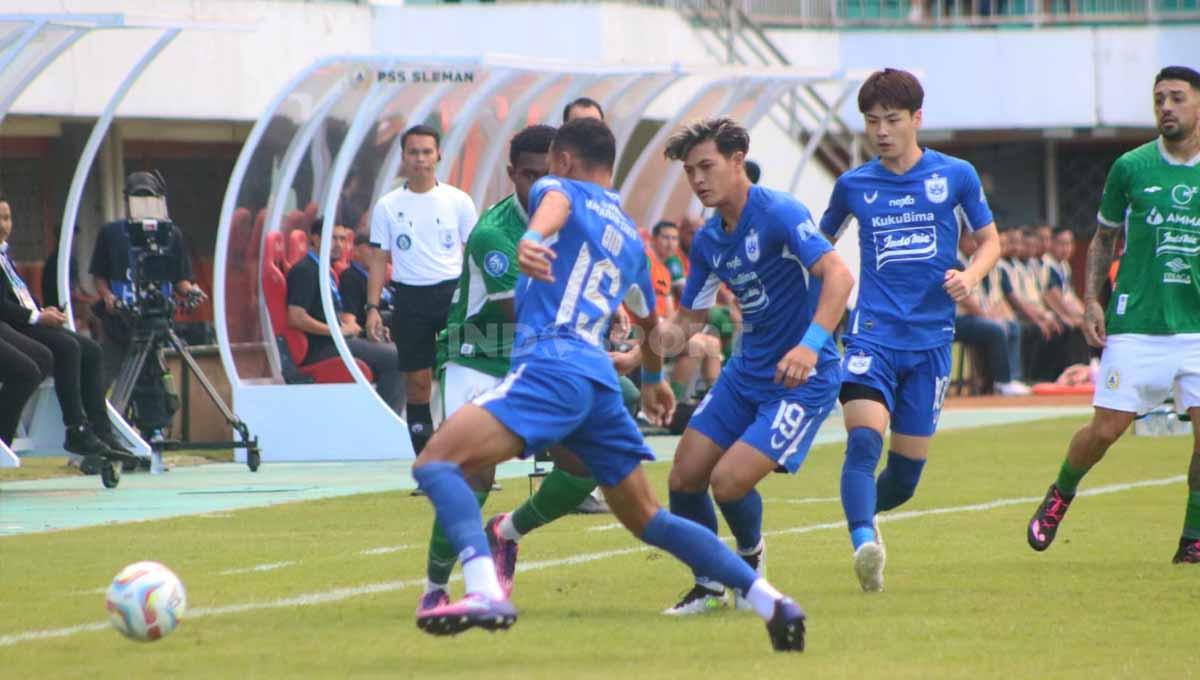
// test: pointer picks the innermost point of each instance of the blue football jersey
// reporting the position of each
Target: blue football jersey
(908, 237)
(600, 263)
(764, 261)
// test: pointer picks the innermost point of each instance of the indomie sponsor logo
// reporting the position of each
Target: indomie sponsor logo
(1177, 242)
(900, 245)
(902, 218)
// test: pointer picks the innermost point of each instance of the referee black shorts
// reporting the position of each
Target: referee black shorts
(419, 314)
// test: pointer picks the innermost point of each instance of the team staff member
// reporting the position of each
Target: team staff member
(306, 313)
(424, 226)
(35, 343)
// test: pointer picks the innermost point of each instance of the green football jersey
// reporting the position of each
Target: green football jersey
(479, 335)
(675, 266)
(1157, 200)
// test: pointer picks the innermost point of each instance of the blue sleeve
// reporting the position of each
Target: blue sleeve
(700, 290)
(544, 186)
(838, 211)
(1055, 279)
(799, 235)
(972, 200)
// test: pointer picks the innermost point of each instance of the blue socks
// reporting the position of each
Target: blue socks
(745, 519)
(697, 507)
(863, 448)
(700, 549)
(456, 508)
(898, 481)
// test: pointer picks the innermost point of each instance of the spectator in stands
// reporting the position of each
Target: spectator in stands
(35, 343)
(974, 328)
(665, 242)
(583, 107)
(1020, 289)
(1069, 347)
(306, 313)
(1045, 234)
(423, 226)
(997, 308)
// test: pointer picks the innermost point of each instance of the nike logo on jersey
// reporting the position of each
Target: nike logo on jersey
(870, 198)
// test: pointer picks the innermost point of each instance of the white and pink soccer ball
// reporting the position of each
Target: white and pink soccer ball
(146, 601)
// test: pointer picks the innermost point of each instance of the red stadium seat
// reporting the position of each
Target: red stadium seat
(331, 370)
(297, 246)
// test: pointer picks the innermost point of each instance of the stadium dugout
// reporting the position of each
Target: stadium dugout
(342, 117)
(30, 45)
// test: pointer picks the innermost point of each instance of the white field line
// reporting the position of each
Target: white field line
(339, 594)
(272, 566)
(385, 550)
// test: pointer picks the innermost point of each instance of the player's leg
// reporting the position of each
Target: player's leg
(567, 485)
(633, 502)
(919, 399)
(1133, 378)
(459, 385)
(1187, 397)
(720, 418)
(413, 334)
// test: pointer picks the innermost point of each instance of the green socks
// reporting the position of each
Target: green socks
(1068, 478)
(559, 494)
(1191, 521)
(441, 554)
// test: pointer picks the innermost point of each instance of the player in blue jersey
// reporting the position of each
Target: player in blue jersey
(897, 366)
(771, 398)
(579, 259)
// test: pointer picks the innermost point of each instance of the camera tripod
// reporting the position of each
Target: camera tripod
(152, 334)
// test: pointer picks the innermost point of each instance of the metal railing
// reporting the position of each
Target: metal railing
(940, 13)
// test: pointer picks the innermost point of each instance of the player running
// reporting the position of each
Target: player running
(897, 366)
(474, 350)
(771, 398)
(580, 258)
(1151, 331)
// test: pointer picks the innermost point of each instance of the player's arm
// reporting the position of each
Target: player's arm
(1113, 204)
(377, 260)
(836, 281)
(658, 401)
(551, 207)
(837, 216)
(700, 291)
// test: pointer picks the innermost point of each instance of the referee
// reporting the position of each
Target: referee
(424, 225)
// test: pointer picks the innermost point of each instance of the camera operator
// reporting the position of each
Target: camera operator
(112, 265)
(36, 343)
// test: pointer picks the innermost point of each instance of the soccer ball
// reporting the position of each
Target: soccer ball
(146, 601)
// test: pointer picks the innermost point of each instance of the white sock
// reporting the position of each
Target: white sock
(508, 530)
(762, 597)
(762, 543)
(710, 584)
(480, 577)
(430, 586)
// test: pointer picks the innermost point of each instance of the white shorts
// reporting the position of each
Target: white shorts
(461, 384)
(1138, 372)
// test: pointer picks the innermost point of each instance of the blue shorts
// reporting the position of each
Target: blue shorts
(544, 405)
(778, 422)
(913, 382)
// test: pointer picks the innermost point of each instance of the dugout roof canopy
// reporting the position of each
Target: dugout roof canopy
(328, 145)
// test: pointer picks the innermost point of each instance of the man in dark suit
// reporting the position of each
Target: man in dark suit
(44, 346)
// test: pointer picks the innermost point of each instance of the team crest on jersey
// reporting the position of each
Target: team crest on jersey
(447, 238)
(495, 263)
(1113, 380)
(858, 364)
(403, 242)
(752, 251)
(937, 189)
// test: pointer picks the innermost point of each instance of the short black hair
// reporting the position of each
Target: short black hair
(753, 171)
(891, 88)
(361, 238)
(1061, 228)
(421, 131)
(533, 139)
(317, 226)
(729, 136)
(584, 102)
(1184, 73)
(663, 224)
(591, 140)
